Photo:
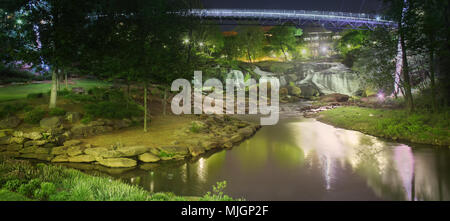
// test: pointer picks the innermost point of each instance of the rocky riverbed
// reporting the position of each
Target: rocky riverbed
(56, 142)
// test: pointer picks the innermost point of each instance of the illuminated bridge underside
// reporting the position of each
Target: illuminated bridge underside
(299, 18)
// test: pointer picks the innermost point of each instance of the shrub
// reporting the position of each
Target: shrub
(34, 116)
(35, 95)
(217, 193)
(47, 189)
(11, 109)
(86, 119)
(28, 189)
(12, 185)
(79, 98)
(57, 112)
(195, 128)
(112, 110)
(165, 154)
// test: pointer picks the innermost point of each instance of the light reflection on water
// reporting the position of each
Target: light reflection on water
(302, 159)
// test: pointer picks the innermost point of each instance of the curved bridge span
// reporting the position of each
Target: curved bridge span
(332, 20)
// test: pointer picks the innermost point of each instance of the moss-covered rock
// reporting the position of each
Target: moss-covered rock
(117, 162)
(82, 159)
(50, 122)
(148, 158)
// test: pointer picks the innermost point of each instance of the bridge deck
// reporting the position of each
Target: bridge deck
(297, 17)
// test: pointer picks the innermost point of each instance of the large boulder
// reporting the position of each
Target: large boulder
(14, 147)
(236, 138)
(148, 158)
(50, 122)
(60, 159)
(72, 117)
(180, 150)
(9, 122)
(309, 90)
(96, 152)
(132, 151)
(117, 162)
(42, 150)
(82, 159)
(74, 150)
(17, 140)
(246, 132)
(334, 98)
(33, 135)
(196, 150)
(31, 149)
(59, 150)
(34, 143)
(70, 143)
(38, 156)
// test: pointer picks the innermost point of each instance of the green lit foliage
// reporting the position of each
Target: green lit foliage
(252, 40)
(34, 116)
(283, 39)
(57, 112)
(218, 193)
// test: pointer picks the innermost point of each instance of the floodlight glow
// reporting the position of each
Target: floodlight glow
(378, 18)
(380, 96)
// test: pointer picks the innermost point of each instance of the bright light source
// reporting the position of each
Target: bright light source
(349, 46)
(303, 51)
(324, 49)
(380, 96)
(201, 44)
(19, 21)
(186, 41)
(378, 18)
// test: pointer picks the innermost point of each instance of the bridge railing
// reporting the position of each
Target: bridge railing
(289, 14)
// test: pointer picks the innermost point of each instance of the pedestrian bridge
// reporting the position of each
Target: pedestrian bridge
(299, 18)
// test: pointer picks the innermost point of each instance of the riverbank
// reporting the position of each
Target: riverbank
(398, 125)
(22, 181)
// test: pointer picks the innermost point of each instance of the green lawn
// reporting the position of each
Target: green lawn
(21, 91)
(420, 127)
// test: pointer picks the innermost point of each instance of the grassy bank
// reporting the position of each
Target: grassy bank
(20, 180)
(14, 92)
(425, 128)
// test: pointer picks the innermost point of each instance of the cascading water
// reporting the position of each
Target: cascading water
(335, 79)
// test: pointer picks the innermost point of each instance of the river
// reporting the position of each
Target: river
(303, 159)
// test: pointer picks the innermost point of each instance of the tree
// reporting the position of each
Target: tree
(252, 38)
(401, 11)
(376, 61)
(283, 38)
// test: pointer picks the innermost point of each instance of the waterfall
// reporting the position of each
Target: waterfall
(335, 78)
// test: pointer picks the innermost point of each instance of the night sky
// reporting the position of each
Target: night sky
(367, 6)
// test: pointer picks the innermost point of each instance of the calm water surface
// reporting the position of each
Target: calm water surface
(303, 159)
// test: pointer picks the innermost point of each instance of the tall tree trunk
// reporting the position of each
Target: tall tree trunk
(54, 91)
(65, 79)
(406, 77)
(128, 93)
(432, 79)
(145, 107)
(165, 101)
(284, 53)
(189, 46)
